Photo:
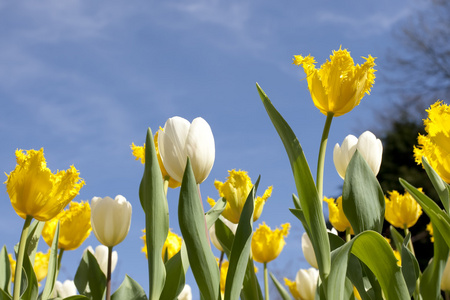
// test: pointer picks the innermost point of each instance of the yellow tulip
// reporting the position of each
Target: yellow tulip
(172, 245)
(336, 214)
(435, 144)
(235, 190)
(35, 191)
(267, 244)
(402, 211)
(75, 226)
(338, 86)
(40, 266)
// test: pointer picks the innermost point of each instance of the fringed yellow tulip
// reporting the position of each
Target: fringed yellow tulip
(35, 191)
(267, 244)
(235, 190)
(40, 266)
(402, 211)
(435, 146)
(75, 226)
(336, 215)
(139, 153)
(172, 245)
(223, 276)
(338, 86)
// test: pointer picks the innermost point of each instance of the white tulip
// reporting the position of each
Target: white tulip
(180, 139)
(65, 289)
(308, 251)
(212, 232)
(445, 281)
(186, 293)
(101, 255)
(368, 146)
(110, 219)
(306, 281)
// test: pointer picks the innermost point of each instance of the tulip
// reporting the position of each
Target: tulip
(172, 245)
(110, 219)
(267, 244)
(212, 232)
(336, 214)
(101, 255)
(445, 281)
(308, 251)
(186, 293)
(180, 139)
(304, 287)
(368, 146)
(63, 290)
(40, 265)
(402, 211)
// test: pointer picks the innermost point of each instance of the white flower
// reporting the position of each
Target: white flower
(308, 251)
(110, 219)
(101, 254)
(306, 281)
(212, 232)
(368, 146)
(180, 139)
(186, 293)
(65, 289)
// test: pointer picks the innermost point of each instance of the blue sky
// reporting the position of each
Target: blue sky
(85, 79)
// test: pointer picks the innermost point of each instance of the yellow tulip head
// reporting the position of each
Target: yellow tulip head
(267, 244)
(35, 191)
(172, 245)
(435, 144)
(75, 226)
(402, 211)
(40, 265)
(336, 214)
(339, 85)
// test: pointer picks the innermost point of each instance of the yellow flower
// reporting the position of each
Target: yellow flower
(223, 276)
(430, 231)
(172, 245)
(35, 191)
(40, 265)
(338, 86)
(435, 146)
(397, 254)
(336, 214)
(235, 190)
(402, 211)
(75, 226)
(139, 153)
(267, 244)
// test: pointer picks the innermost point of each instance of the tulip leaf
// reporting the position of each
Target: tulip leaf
(176, 268)
(29, 280)
(129, 289)
(225, 236)
(310, 203)
(34, 234)
(193, 228)
(397, 237)
(430, 282)
(410, 266)
(439, 219)
(52, 271)
(4, 295)
(251, 289)
(281, 290)
(240, 251)
(90, 274)
(441, 187)
(154, 202)
(214, 213)
(374, 251)
(76, 297)
(362, 197)
(5, 271)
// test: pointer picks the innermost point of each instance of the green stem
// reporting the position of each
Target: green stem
(22, 246)
(410, 244)
(348, 235)
(266, 282)
(321, 159)
(206, 225)
(108, 275)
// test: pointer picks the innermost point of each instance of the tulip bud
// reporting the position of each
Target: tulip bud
(306, 281)
(110, 219)
(180, 139)
(212, 232)
(308, 251)
(63, 290)
(368, 146)
(101, 255)
(186, 293)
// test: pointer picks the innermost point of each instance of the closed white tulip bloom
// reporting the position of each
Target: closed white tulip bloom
(308, 251)
(65, 289)
(101, 254)
(368, 146)
(212, 232)
(110, 219)
(445, 281)
(306, 281)
(186, 293)
(180, 139)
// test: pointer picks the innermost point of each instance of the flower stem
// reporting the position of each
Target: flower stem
(266, 282)
(22, 246)
(322, 150)
(348, 235)
(108, 275)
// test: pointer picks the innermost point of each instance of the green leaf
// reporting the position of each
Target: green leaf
(214, 213)
(362, 196)
(176, 268)
(5, 271)
(76, 297)
(397, 237)
(154, 203)
(439, 185)
(240, 251)
(4, 295)
(225, 236)
(410, 266)
(306, 189)
(193, 228)
(281, 290)
(251, 290)
(52, 271)
(89, 273)
(129, 289)
(374, 251)
(29, 281)
(34, 234)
